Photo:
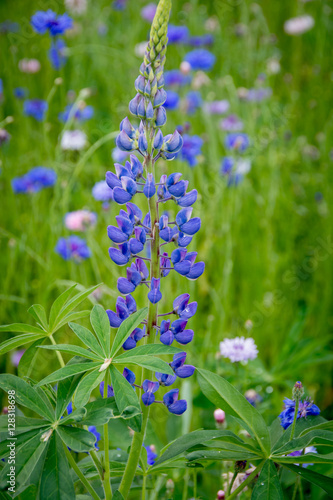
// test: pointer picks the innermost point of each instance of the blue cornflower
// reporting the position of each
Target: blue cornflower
(200, 41)
(102, 192)
(174, 406)
(48, 20)
(93, 430)
(151, 455)
(200, 59)
(237, 141)
(175, 77)
(80, 114)
(193, 101)
(149, 388)
(191, 149)
(74, 248)
(35, 180)
(235, 169)
(124, 307)
(57, 54)
(172, 100)
(305, 409)
(35, 108)
(177, 34)
(20, 92)
(119, 4)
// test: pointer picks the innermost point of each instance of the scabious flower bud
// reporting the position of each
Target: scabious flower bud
(220, 495)
(298, 390)
(219, 416)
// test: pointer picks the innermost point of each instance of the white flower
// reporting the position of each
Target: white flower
(140, 49)
(242, 167)
(298, 25)
(73, 140)
(76, 6)
(238, 349)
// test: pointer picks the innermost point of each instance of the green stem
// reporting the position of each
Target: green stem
(295, 419)
(231, 483)
(107, 484)
(247, 481)
(80, 475)
(97, 463)
(195, 485)
(60, 358)
(185, 488)
(144, 482)
(300, 489)
(295, 490)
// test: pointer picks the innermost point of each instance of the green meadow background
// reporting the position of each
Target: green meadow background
(267, 243)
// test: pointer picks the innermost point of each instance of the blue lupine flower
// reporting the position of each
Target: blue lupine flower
(174, 406)
(35, 108)
(93, 430)
(118, 155)
(102, 192)
(184, 263)
(74, 248)
(178, 366)
(129, 376)
(182, 308)
(149, 388)
(149, 189)
(137, 273)
(69, 408)
(177, 34)
(226, 165)
(35, 180)
(57, 54)
(20, 92)
(124, 307)
(193, 101)
(151, 455)
(185, 223)
(165, 379)
(172, 100)
(119, 4)
(44, 21)
(308, 449)
(136, 335)
(306, 407)
(175, 77)
(200, 41)
(155, 294)
(237, 141)
(191, 149)
(200, 59)
(81, 114)
(110, 392)
(175, 331)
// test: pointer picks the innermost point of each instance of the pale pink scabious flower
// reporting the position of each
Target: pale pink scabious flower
(73, 140)
(298, 25)
(80, 220)
(238, 349)
(231, 124)
(76, 6)
(29, 65)
(216, 107)
(148, 12)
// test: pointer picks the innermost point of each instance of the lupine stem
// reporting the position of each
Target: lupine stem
(144, 481)
(247, 481)
(295, 418)
(58, 353)
(80, 475)
(231, 483)
(107, 485)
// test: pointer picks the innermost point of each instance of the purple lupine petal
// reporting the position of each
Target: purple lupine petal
(118, 257)
(148, 398)
(167, 338)
(188, 199)
(129, 375)
(115, 321)
(121, 196)
(192, 226)
(184, 216)
(180, 302)
(116, 235)
(155, 295)
(185, 371)
(183, 267)
(178, 326)
(196, 271)
(170, 397)
(184, 337)
(179, 407)
(178, 189)
(165, 379)
(124, 286)
(110, 392)
(149, 386)
(129, 344)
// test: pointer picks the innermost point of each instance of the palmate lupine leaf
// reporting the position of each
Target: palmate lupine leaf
(58, 304)
(86, 386)
(39, 314)
(100, 411)
(308, 458)
(76, 439)
(324, 482)
(149, 350)
(125, 396)
(317, 437)
(101, 325)
(225, 396)
(20, 340)
(150, 362)
(87, 337)
(268, 486)
(65, 391)
(215, 455)
(69, 371)
(126, 328)
(75, 350)
(29, 358)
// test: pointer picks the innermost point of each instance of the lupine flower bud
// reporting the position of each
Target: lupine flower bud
(298, 390)
(219, 416)
(240, 465)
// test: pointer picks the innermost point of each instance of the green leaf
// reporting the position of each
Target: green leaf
(150, 362)
(101, 325)
(73, 317)
(225, 396)
(22, 328)
(86, 385)
(75, 350)
(221, 455)
(195, 438)
(125, 396)
(56, 482)
(118, 496)
(19, 340)
(21, 439)
(39, 314)
(28, 493)
(25, 394)
(268, 486)
(100, 411)
(57, 305)
(324, 425)
(65, 392)
(324, 482)
(76, 439)
(75, 417)
(149, 350)
(313, 438)
(22, 424)
(126, 329)
(86, 337)
(28, 360)
(72, 303)
(308, 458)
(68, 371)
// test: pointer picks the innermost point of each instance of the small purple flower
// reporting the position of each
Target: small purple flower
(238, 349)
(201, 41)
(178, 366)
(170, 399)
(155, 295)
(20, 92)
(231, 124)
(182, 308)
(175, 78)
(258, 95)
(305, 408)
(35, 108)
(48, 20)
(73, 248)
(124, 307)
(237, 142)
(16, 357)
(191, 149)
(193, 101)
(151, 455)
(200, 59)
(177, 34)
(165, 379)
(148, 12)
(35, 180)
(149, 388)
(308, 449)
(136, 335)
(93, 430)
(216, 107)
(102, 192)
(57, 54)
(172, 100)
(110, 392)
(81, 114)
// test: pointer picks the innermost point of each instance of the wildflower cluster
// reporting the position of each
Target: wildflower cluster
(139, 241)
